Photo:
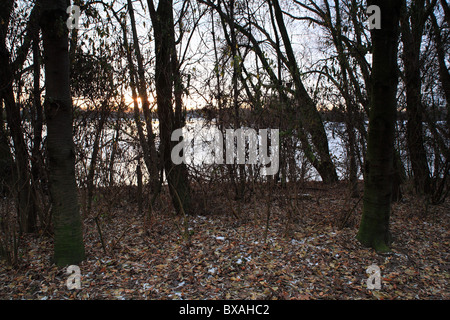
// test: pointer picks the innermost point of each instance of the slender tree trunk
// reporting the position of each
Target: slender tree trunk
(176, 175)
(68, 236)
(412, 38)
(446, 8)
(139, 188)
(312, 121)
(237, 171)
(134, 95)
(444, 73)
(101, 116)
(37, 122)
(6, 159)
(350, 115)
(309, 124)
(284, 141)
(115, 144)
(218, 95)
(374, 227)
(351, 154)
(398, 178)
(153, 166)
(22, 183)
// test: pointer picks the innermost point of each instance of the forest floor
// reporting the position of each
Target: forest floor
(229, 252)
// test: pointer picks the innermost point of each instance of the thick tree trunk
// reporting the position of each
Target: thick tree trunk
(374, 228)
(68, 236)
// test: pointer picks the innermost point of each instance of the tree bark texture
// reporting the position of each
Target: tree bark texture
(68, 236)
(165, 73)
(374, 227)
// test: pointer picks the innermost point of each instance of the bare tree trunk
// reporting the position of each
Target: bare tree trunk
(153, 166)
(22, 183)
(37, 123)
(68, 235)
(350, 104)
(412, 38)
(446, 8)
(177, 175)
(444, 73)
(115, 144)
(311, 122)
(6, 158)
(374, 227)
(101, 116)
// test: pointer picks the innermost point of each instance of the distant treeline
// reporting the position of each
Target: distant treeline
(328, 115)
(339, 115)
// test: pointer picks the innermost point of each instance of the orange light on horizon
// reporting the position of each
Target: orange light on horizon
(129, 101)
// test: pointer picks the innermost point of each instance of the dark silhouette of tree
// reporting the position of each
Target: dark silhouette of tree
(68, 236)
(374, 227)
(167, 84)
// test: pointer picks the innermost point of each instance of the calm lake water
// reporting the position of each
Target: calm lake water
(199, 157)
